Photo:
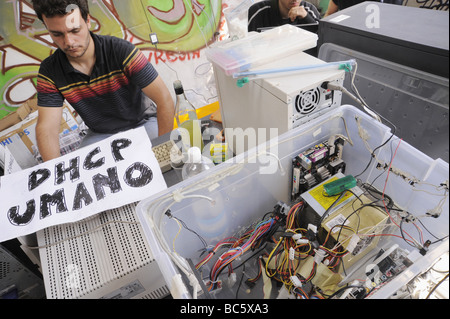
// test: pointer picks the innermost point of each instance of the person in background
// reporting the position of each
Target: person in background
(337, 5)
(274, 13)
(107, 80)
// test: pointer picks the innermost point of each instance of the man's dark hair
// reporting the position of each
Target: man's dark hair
(52, 8)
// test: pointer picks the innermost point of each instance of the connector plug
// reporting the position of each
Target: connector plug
(319, 256)
(281, 208)
(302, 241)
(153, 38)
(291, 253)
(231, 280)
(296, 282)
(241, 82)
(434, 212)
(336, 87)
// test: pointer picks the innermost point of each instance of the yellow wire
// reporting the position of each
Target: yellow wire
(179, 231)
(270, 258)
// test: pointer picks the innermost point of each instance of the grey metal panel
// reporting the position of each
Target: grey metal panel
(414, 37)
(18, 279)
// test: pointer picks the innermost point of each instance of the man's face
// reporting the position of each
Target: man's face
(70, 33)
(289, 4)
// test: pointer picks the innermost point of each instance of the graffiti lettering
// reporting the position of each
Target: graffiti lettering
(156, 57)
(433, 4)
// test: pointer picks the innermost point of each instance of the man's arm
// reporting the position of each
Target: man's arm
(304, 14)
(332, 8)
(297, 13)
(47, 132)
(158, 92)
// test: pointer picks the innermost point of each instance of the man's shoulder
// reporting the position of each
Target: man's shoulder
(307, 4)
(260, 9)
(311, 7)
(261, 4)
(111, 40)
(52, 60)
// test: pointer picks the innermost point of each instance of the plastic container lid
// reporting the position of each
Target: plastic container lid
(259, 48)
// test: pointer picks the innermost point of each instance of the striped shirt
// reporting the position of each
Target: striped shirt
(110, 99)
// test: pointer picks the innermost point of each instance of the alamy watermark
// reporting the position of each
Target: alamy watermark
(262, 144)
(73, 18)
(373, 17)
(73, 280)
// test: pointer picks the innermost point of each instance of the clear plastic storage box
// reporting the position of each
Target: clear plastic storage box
(222, 202)
(259, 48)
(416, 101)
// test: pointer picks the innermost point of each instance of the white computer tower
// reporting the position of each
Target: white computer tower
(281, 101)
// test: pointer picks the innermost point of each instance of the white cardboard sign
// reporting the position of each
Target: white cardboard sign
(114, 172)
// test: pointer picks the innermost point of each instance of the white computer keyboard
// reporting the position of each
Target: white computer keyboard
(168, 156)
(162, 153)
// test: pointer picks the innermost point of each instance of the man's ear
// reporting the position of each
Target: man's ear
(88, 21)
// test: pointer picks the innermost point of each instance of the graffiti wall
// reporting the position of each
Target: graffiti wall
(428, 4)
(183, 29)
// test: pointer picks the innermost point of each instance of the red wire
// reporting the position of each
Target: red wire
(375, 235)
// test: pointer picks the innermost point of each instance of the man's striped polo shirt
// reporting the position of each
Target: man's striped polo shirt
(110, 99)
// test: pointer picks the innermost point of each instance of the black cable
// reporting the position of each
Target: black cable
(383, 171)
(348, 190)
(341, 195)
(364, 104)
(168, 214)
(252, 256)
(403, 236)
(343, 267)
(438, 239)
(240, 282)
(337, 200)
(229, 264)
(354, 212)
(373, 154)
(145, 13)
(370, 188)
(299, 209)
(361, 101)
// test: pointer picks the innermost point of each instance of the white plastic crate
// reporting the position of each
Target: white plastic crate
(218, 203)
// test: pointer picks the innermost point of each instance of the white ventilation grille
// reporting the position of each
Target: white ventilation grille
(307, 102)
(156, 294)
(97, 256)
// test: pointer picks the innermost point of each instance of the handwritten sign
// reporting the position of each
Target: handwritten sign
(114, 172)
